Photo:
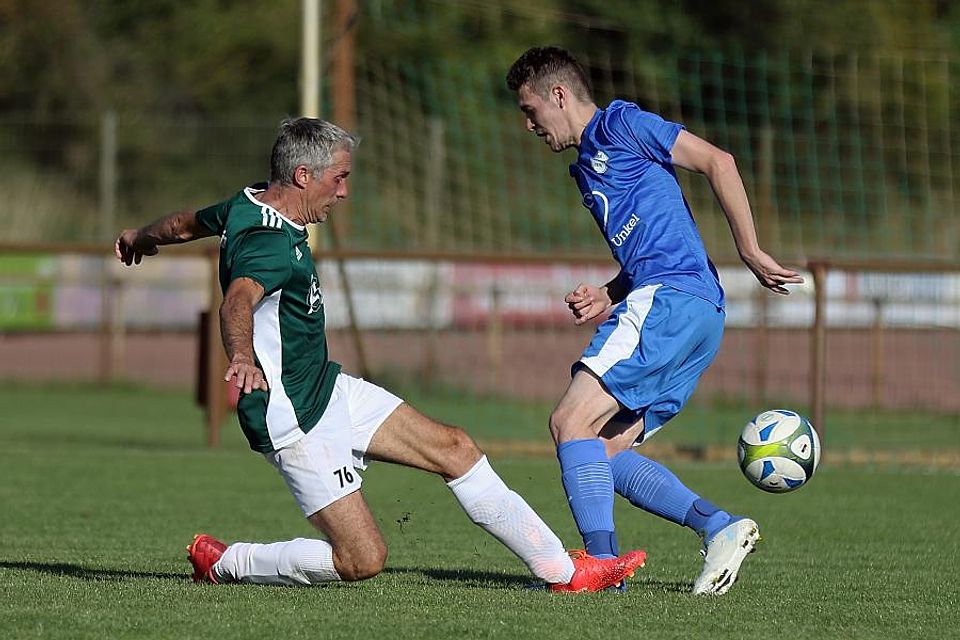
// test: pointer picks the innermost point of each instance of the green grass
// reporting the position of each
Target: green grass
(102, 489)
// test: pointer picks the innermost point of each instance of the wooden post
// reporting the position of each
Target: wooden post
(105, 370)
(344, 102)
(818, 346)
(433, 182)
(878, 355)
(495, 339)
(345, 115)
(110, 357)
(433, 198)
(761, 351)
(766, 208)
(428, 369)
(766, 230)
(216, 358)
(118, 326)
(112, 325)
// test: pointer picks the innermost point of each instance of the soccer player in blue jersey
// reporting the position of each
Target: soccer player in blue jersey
(666, 306)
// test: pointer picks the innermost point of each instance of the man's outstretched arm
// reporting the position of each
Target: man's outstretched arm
(176, 228)
(695, 154)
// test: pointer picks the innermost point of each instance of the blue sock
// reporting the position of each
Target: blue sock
(588, 483)
(706, 518)
(654, 488)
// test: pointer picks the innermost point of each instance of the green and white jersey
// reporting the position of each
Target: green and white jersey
(289, 344)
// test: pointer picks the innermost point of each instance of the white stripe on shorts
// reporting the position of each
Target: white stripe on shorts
(623, 340)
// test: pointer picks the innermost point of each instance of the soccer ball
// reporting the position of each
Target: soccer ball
(778, 451)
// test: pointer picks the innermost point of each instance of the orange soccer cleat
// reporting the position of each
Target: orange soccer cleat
(596, 574)
(203, 553)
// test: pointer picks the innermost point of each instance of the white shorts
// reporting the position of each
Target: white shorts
(321, 467)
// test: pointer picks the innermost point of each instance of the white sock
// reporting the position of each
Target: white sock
(508, 518)
(302, 561)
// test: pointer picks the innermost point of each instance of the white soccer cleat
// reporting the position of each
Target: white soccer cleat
(724, 554)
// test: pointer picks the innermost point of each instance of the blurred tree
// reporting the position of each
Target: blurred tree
(50, 60)
(242, 56)
(237, 61)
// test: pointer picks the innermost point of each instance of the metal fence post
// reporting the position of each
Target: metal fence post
(878, 353)
(761, 361)
(818, 349)
(495, 338)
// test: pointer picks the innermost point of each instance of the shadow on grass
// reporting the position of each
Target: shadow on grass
(488, 579)
(463, 577)
(93, 575)
(466, 577)
(664, 586)
(478, 579)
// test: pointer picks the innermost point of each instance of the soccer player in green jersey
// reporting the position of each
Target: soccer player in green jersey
(317, 425)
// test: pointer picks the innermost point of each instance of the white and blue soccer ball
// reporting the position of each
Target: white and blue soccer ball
(778, 451)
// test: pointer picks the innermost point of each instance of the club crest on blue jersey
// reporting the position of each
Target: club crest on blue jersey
(599, 162)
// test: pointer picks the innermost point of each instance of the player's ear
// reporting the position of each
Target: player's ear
(301, 176)
(560, 95)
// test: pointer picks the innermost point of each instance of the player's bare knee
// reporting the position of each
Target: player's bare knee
(561, 426)
(361, 564)
(465, 446)
(555, 428)
(458, 454)
(464, 450)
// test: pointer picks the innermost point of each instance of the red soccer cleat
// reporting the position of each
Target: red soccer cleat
(203, 553)
(596, 574)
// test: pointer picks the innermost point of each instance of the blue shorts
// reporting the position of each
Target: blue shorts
(652, 350)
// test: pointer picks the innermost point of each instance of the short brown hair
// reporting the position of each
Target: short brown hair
(542, 67)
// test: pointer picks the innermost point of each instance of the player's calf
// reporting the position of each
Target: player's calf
(359, 550)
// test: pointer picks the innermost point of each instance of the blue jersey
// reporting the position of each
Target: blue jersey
(626, 177)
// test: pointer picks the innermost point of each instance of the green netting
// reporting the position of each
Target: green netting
(843, 154)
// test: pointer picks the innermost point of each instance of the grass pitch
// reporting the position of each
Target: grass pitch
(102, 489)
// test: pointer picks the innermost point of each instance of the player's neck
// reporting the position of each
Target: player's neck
(284, 200)
(580, 116)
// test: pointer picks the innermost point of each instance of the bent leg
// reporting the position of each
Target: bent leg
(412, 439)
(354, 550)
(585, 470)
(649, 485)
(318, 470)
(359, 551)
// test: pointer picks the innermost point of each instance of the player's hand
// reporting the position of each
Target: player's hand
(248, 375)
(130, 247)
(586, 302)
(770, 274)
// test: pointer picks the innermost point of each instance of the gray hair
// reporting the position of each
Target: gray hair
(309, 142)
